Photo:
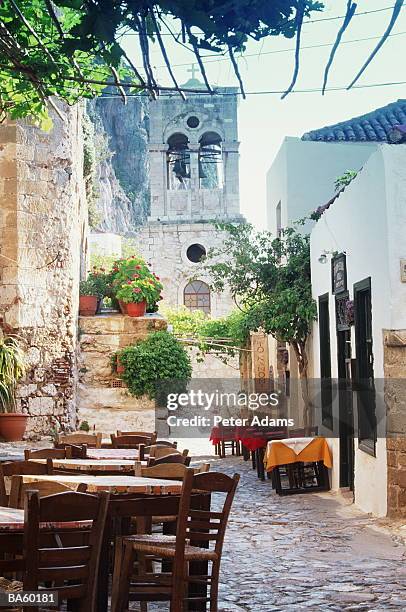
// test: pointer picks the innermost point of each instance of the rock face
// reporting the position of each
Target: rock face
(43, 224)
(102, 400)
(123, 174)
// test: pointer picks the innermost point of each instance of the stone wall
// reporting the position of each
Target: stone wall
(43, 218)
(164, 247)
(395, 400)
(102, 399)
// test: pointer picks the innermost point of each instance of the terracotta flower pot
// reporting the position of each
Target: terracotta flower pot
(87, 305)
(12, 426)
(136, 309)
(123, 307)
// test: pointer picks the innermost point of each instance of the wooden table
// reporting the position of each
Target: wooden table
(113, 453)
(93, 465)
(113, 484)
(293, 453)
(12, 519)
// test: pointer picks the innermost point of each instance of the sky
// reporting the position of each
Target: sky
(264, 119)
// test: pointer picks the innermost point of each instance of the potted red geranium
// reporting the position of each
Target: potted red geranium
(139, 293)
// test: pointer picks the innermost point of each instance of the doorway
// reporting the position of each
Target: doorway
(345, 400)
(366, 400)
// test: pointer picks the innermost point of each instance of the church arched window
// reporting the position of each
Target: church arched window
(196, 296)
(210, 161)
(178, 162)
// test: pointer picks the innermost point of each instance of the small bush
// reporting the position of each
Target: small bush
(156, 366)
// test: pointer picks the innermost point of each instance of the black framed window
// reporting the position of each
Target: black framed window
(366, 400)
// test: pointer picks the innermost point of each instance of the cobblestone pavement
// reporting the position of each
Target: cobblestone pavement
(304, 552)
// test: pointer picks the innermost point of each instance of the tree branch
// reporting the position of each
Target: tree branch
(396, 11)
(351, 8)
(299, 22)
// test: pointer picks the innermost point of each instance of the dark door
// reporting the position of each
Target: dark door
(325, 363)
(366, 404)
(346, 418)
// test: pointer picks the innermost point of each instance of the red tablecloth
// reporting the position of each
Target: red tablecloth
(250, 437)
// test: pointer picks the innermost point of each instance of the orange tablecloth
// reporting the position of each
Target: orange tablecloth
(279, 454)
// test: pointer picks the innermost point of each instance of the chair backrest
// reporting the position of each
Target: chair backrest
(145, 434)
(44, 488)
(91, 440)
(73, 568)
(19, 468)
(202, 527)
(158, 451)
(172, 458)
(45, 453)
(128, 441)
(169, 471)
(166, 443)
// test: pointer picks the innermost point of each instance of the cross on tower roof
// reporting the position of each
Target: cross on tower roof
(193, 70)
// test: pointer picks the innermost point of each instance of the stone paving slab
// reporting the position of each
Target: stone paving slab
(304, 552)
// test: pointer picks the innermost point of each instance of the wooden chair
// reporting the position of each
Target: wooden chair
(47, 453)
(166, 443)
(145, 434)
(195, 530)
(129, 441)
(70, 570)
(44, 488)
(19, 468)
(91, 440)
(168, 471)
(171, 458)
(158, 451)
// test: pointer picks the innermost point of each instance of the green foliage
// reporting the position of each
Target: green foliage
(269, 279)
(345, 179)
(140, 290)
(84, 426)
(88, 287)
(74, 51)
(133, 281)
(185, 322)
(102, 280)
(12, 368)
(157, 363)
(221, 337)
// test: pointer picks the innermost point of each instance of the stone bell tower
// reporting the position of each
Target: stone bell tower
(194, 181)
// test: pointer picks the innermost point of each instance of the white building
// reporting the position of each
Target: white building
(359, 241)
(366, 227)
(105, 243)
(302, 175)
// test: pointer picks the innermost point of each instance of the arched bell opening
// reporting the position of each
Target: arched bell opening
(178, 162)
(211, 173)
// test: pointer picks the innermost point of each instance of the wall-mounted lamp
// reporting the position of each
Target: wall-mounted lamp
(323, 257)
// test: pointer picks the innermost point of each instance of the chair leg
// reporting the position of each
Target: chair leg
(214, 587)
(121, 578)
(179, 590)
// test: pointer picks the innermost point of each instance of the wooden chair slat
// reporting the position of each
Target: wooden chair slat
(71, 556)
(75, 572)
(91, 440)
(45, 453)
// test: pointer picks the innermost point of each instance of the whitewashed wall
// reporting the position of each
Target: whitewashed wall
(368, 222)
(303, 173)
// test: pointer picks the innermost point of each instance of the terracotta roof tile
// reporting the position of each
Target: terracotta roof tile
(372, 127)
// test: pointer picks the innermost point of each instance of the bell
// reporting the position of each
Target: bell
(180, 170)
(202, 173)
